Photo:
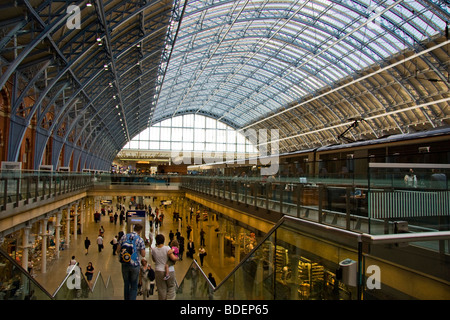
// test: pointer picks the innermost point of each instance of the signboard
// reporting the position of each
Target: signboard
(135, 217)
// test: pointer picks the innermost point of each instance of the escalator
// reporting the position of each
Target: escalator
(17, 284)
(195, 285)
(288, 264)
(296, 260)
(305, 260)
(76, 287)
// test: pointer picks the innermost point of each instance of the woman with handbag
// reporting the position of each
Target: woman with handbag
(89, 273)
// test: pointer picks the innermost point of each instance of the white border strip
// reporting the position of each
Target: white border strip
(409, 165)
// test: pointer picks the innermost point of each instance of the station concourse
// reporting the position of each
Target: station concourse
(306, 141)
(108, 264)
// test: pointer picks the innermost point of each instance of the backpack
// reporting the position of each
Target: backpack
(128, 251)
(151, 274)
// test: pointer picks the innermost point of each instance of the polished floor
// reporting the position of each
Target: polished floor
(108, 265)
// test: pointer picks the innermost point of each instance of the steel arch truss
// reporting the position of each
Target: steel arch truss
(311, 68)
(307, 68)
(87, 88)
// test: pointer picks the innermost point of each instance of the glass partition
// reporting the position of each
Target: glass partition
(291, 265)
(16, 283)
(195, 285)
(101, 289)
(19, 187)
(342, 206)
(406, 266)
(74, 286)
(408, 197)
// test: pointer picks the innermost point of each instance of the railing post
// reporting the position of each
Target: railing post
(347, 207)
(299, 197)
(282, 186)
(28, 194)
(17, 192)
(50, 178)
(43, 188)
(5, 194)
(36, 189)
(321, 190)
(245, 193)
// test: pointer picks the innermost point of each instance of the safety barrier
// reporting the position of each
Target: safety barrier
(408, 204)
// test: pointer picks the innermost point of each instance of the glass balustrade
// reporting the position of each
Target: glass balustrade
(300, 260)
(75, 287)
(291, 265)
(16, 283)
(374, 204)
(102, 290)
(195, 285)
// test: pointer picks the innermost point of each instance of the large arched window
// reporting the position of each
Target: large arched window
(192, 133)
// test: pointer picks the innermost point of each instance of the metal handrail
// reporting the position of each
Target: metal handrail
(25, 273)
(404, 237)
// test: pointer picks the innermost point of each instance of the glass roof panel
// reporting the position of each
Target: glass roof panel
(244, 54)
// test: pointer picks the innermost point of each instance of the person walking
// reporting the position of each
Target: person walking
(146, 279)
(212, 280)
(73, 261)
(160, 255)
(151, 276)
(87, 243)
(191, 249)
(89, 273)
(181, 247)
(114, 243)
(100, 243)
(202, 237)
(129, 248)
(211, 290)
(171, 236)
(202, 255)
(188, 231)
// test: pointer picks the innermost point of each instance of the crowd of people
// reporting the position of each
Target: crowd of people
(139, 277)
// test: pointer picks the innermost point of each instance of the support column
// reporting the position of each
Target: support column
(210, 237)
(96, 204)
(58, 232)
(67, 227)
(221, 247)
(75, 221)
(82, 214)
(44, 235)
(237, 245)
(25, 245)
(90, 209)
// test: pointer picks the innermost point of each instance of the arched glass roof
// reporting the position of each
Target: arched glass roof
(305, 68)
(192, 133)
(239, 61)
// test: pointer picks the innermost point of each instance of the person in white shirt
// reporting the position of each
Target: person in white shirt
(160, 255)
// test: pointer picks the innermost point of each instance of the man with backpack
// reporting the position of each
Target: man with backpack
(129, 248)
